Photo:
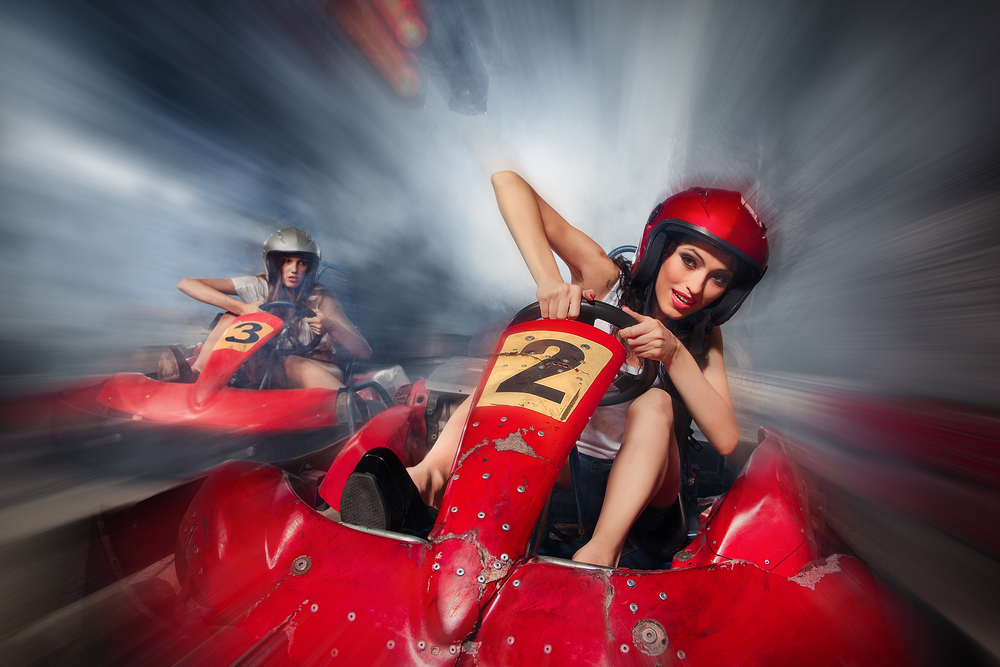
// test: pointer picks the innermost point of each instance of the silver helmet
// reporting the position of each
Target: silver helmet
(286, 242)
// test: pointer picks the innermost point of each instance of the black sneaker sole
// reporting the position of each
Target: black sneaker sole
(362, 504)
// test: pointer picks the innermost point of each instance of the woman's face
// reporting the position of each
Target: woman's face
(695, 275)
(293, 270)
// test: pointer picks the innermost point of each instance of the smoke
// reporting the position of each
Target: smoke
(147, 143)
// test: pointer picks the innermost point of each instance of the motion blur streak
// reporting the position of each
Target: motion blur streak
(144, 142)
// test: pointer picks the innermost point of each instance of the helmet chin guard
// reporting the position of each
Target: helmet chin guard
(719, 217)
(289, 241)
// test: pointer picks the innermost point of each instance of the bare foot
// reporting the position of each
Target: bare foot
(429, 482)
(591, 555)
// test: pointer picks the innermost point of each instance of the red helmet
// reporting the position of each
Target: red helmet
(720, 217)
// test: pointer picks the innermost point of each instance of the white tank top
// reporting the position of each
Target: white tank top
(602, 437)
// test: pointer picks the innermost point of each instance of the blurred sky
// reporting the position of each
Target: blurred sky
(144, 142)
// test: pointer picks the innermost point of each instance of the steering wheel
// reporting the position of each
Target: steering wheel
(625, 386)
(286, 343)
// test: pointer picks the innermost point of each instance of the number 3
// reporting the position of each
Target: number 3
(250, 329)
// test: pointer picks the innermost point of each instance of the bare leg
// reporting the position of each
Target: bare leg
(646, 472)
(431, 474)
(305, 373)
(213, 338)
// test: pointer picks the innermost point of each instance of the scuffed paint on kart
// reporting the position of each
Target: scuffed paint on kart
(811, 574)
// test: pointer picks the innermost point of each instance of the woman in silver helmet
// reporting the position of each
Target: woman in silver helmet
(291, 260)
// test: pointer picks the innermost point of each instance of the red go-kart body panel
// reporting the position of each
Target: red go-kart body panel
(271, 580)
(210, 402)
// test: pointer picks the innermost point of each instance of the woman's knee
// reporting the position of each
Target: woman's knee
(654, 402)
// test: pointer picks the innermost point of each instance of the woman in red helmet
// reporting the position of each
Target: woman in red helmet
(291, 261)
(701, 253)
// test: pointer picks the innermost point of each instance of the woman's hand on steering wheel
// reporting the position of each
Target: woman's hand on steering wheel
(561, 301)
(286, 342)
(248, 308)
(625, 386)
(649, 339)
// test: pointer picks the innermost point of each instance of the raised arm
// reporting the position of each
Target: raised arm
(538, 230)
(216, 292)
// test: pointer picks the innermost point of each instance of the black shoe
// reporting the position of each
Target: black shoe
(380, 494)
(173, 367)
(659, 533)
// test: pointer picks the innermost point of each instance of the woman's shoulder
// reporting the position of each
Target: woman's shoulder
(251, 288)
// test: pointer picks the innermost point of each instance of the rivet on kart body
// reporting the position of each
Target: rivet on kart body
(486, 475)
(663, 596)
(314, 608)
(460, 571)
(482, 515)
(630, 582)
(767, 562)
(436, 566)
(548, 648)
(681, 655)
(529, 338)
(351, 616)
(453, 650)
(585, 346)
(506, 526)
(301, 565)
(334, 652)
(421, 645)
(454, 509)
(481, 579)
(624, 648)
(541, 434)
(517, 582)
(633, 607)
(475, 423)
(510, 640)
(503, 419)
(520, 489)
(504, 557)
(497, 565)
(390, 644)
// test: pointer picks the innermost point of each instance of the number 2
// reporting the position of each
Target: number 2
(526, 382)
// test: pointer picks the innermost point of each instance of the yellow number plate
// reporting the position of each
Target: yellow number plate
(241, 336)
(544, 371)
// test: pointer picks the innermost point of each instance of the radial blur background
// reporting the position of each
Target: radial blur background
(144, 142)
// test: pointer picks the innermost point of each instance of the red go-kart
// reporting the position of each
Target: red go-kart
(222, 414)
(263, 572)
